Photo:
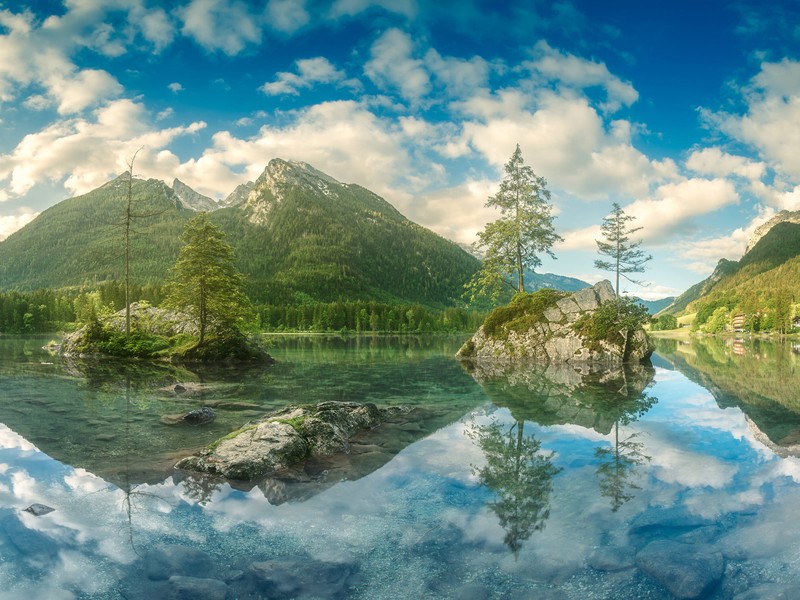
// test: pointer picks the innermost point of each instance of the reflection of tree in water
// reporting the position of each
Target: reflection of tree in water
(617, 465)
(520, 475)
(590, 395)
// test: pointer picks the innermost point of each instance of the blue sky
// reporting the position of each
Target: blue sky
(687, 113)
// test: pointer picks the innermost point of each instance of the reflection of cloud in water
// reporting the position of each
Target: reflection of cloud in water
(678, 465)
(9, 439)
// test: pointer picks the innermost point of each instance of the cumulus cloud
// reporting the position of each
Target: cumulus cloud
(287, 16)
(310, 71)
(717, 163)
(393, 66)
(771, 123)
(563, 138)
(85, 152)
(220, 25)
(663, 213)
(573, 71)
(459, 76)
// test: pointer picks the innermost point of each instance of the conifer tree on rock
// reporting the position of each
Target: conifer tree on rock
(515, 241)
(205, 282)
(625, 256)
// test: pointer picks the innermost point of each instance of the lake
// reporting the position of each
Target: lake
(676, 480)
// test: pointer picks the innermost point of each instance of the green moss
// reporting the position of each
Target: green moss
(523, 312)
(295, 422)
(214, 445)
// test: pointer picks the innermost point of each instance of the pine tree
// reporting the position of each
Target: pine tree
(205, 283)
(626, 256)
(515, 241)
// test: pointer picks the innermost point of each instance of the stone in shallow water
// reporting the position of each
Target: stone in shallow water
(198, 416)
(39, 509)
(301, 578)
(196, 588)
(687, 571)
(769, 591)
(162, 562)
(612, 558)
(28, 541)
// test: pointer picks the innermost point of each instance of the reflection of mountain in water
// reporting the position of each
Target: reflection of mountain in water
(592, 396)
(759, 377)
(105, 416)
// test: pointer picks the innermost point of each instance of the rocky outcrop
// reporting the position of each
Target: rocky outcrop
(554, 337)
(282, 439)
(785, 216)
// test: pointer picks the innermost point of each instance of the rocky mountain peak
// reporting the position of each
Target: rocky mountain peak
(280, 175)
(785, 216)
(192, 199)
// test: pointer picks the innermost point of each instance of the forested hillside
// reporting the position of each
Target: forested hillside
(300, 237)
(763, 285)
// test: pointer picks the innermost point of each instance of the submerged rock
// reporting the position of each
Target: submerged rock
(162, 562)
(38, 510)
(196, 588)
(545, 328)
(301, 578)
(198, 416)
(283, 439)
(687, 571)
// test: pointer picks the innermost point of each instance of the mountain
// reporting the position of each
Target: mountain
(771, 264)
(655, 306)
(724, 268)
(80, 240)
(536, 281)
(299, 236)
(785, 216)
(191, 199)
(239, 195)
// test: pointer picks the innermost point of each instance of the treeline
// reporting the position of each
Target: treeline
(360, 316)
(45, 311)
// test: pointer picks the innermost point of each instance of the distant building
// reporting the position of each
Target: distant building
(737, 323)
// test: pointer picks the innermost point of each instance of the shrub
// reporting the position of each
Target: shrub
(612, 322)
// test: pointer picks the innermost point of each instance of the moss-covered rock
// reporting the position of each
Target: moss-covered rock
(553, 327)
(283, 439)
(159, 334)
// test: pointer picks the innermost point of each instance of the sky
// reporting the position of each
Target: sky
(685, 112)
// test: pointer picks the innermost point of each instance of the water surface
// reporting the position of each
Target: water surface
(507, 483)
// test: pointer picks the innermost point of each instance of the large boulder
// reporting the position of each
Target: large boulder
(551, 332)
(283, 439)
(686, 570)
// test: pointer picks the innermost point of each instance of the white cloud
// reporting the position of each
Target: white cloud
(663, 213)
(771, 123)
(573, 71)
(287, 15)
(175, 87)
(394, 67)
(460, 77)
(224, 25)
(407, 8)
(86, 88)
(563, 138)
(87, 152)
(10, 223)
(310, 71)
(717, 163)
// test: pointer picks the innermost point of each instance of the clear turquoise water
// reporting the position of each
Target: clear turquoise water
(508, 484)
